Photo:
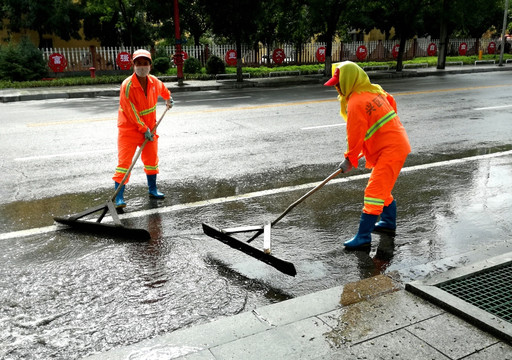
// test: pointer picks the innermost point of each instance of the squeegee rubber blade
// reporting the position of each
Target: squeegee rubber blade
(110, 230)
(283, 266)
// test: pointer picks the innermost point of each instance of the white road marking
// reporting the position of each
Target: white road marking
(71, 154)
(218, 99)
(322, 126)
(494, 107)
(252, 195)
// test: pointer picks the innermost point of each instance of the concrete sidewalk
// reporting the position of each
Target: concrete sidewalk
(374, 318)
(69, 92)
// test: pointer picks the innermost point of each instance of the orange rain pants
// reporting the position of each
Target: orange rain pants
(374, 131)
(137, 113)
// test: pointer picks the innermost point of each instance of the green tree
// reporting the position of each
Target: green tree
(22, 62)
(118, 22)
(237, 22)
(326, 20)
(295, 26)
(46, 17)
(196, 19)
(405, 17)
(460, 18)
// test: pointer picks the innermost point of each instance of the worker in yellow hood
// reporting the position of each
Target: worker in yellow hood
(374, 131)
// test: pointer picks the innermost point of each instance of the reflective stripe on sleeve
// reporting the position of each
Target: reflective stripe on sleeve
(380, 123)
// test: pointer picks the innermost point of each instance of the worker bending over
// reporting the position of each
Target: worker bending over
(374, 131)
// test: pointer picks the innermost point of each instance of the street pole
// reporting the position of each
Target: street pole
(178, 57)
(503, 40)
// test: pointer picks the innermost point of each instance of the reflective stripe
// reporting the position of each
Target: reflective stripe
(137, 114)
(137, 117)
(127, 90)
(148, 111)
(380, 123)
(121, 170)
(147, 167)
(373, 201)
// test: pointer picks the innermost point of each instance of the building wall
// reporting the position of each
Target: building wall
(53, 41)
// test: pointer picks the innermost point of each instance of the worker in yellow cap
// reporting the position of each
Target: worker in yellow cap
(374, 131)
(136, 120)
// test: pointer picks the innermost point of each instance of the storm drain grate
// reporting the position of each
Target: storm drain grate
(489, 290)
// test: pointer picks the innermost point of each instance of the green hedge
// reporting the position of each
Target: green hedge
(261, 71)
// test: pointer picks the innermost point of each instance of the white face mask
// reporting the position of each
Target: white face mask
(142, 71)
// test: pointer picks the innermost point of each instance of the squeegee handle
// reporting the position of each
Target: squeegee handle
(136, 157)
(305, 196)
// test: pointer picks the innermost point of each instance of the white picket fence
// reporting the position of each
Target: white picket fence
(104, 58)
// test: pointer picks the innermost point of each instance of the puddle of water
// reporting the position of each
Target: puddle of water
(68, 295)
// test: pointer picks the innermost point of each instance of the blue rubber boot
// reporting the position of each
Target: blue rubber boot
(153, 191)
(364, 234)
(387, 223)
(119, 197)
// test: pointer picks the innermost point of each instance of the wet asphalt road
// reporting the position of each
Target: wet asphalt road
(231, 158)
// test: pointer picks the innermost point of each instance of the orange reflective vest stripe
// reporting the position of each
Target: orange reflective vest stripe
(137, 111)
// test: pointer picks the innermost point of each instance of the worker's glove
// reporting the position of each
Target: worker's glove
(170, 103)
(345, 166)
(148, 135)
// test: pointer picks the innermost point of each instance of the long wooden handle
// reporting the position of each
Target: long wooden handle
(136, 157)
(305, 196)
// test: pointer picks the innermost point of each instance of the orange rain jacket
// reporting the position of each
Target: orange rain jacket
(137, 113)
(372, 126)
(374, 131)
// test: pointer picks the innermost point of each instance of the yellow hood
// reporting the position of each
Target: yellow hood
(352, 79)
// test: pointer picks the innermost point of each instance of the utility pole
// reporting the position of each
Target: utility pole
(178, 57)
(503, 39)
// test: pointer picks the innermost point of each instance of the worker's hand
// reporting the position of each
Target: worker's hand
(345, 166)
(148, 135)
(169, 102)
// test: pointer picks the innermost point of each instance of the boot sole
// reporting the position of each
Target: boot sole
(359, 247)
(386, 231)
(156, 197)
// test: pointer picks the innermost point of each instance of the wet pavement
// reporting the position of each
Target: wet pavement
(77, 295)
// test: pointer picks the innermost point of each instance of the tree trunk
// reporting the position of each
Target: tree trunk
(328, 56)
(443, 39)
(401, 51)
(239, 75)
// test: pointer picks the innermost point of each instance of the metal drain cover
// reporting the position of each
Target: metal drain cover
(480, 293)
(489, 290)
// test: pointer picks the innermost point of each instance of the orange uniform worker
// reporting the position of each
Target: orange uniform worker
(374, 131)
(136, 119)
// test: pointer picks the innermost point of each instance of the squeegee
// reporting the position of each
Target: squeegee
(117, 229)
(225, 235)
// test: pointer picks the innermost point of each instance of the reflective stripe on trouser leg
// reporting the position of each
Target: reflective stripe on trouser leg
(125, 152)
(149, 157)
(382, 180)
